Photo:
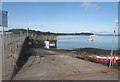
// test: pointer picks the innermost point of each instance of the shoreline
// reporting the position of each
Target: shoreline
(86, 50)
(84, 53)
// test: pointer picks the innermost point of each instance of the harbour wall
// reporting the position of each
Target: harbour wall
(15, 47)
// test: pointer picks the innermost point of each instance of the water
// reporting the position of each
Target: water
(74, 42)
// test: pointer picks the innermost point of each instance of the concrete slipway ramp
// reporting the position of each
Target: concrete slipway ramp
(46, 65)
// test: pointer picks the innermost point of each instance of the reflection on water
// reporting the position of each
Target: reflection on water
(73, 42)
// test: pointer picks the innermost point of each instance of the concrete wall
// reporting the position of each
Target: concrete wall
(23, 56)
(12, 50)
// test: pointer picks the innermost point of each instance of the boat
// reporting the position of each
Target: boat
(102, 59)
(118, 61)
(91, 38)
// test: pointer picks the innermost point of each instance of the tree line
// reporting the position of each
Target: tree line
(34, 32)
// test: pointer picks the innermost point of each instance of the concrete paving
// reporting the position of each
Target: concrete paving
(64, 67)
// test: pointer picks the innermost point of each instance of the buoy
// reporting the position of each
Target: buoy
(114, 60)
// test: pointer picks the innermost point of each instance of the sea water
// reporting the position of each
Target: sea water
(70, 42)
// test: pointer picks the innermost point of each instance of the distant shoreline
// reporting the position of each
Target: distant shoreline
(18, 31)
(34, 32)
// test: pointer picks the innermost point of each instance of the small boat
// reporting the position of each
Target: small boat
(101, 59)
(91, 39)
(96, 59)
(118, 61)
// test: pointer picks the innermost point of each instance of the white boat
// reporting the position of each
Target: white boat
(91, 39)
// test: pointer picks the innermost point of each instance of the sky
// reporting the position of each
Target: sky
(67, 17)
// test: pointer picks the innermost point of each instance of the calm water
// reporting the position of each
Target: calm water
(74, 42)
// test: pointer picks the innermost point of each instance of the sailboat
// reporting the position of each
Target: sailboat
(91, 37)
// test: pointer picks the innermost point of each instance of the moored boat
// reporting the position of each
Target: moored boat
(102, 60)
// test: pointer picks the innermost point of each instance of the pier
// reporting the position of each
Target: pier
(45, 41)
(16, 46)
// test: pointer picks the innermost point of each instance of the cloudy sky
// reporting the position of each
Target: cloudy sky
(63, 16)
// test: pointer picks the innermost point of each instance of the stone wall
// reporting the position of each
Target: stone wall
(13, 46)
